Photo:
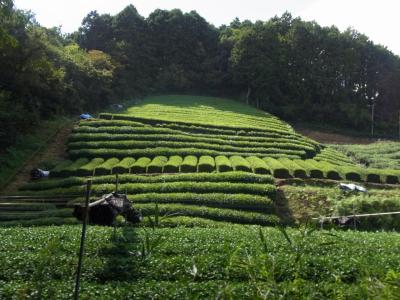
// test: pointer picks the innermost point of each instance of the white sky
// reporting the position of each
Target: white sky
(378, 19)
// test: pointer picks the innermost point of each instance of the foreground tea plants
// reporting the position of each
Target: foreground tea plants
(233, 261)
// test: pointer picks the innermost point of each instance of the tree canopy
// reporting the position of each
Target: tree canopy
(298, 70)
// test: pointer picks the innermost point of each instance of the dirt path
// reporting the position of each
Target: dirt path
(56, 149)
(334, 138)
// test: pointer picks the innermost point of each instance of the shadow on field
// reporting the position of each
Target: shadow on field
(121, 255)
(282, 208)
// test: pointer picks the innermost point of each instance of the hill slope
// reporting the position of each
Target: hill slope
(208, 157)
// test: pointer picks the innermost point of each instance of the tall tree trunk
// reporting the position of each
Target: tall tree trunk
(248, 94)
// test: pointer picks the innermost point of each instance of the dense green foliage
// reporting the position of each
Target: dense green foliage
(295, 69)
(377, 155)
(217, 262)
(44, 74)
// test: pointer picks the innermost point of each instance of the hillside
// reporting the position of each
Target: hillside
(197, 157)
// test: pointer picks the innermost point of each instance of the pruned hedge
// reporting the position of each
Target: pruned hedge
(312, 170)
(278, 169)
(106, 167)
(157, 164)
(258, 165)
(206, 164)
(223, 164)
(217, 214)
(231, 177)
(173, 164)
(140, 166)
(237, 201)
(189, 164)
(295, 169)
(124, 166)
(240, 164)
(88, 169)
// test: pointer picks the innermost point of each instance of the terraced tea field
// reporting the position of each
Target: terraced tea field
(199, 157)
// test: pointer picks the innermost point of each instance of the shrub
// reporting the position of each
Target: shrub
(157, 164)
(223, 164)
(124, 166)
(189, 164)
(258, 165)
(140, 165)
(372, 204)
(56, 172)
(313, 170)
(230, 177)
(222, 200)
(106, 167)
(73, 168)
(240, 164)
(206, 164)
(88, 169)
(173, 164)
(351, 173)
(218, 214)
(373, 175)
(278, 170)
(294, 168)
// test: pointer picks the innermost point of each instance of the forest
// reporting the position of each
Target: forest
(298, 70)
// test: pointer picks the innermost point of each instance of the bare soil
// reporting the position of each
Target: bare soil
(56, 149)
(334, 138)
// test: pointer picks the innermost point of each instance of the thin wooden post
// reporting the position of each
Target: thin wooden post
(83, 237)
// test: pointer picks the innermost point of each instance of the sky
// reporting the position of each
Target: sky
(378, 19)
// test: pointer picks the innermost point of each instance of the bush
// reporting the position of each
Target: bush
(218, 214)
(124, 166)
(373, 176)
(157, 164)
(140, 165)
(312, 169)
(223, 164)
(372, 204)
(88, 169)
(56, 172)
(223, 200)
(351, 173)
(258, 165)
(294, 168)
(173, 164)
(206, 164)
(106, 167)
(189, 164)
(72, 169)
(278, 170)
(240, 164)
(231, 177)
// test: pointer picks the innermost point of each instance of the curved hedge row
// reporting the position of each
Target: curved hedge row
(277, 149)
(157, 151)
(236, 201)
(233, 177)
(217, 214)
(86, 140)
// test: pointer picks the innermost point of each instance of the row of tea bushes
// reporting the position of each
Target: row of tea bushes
(167, 151)
(231, 177)
(279, 168)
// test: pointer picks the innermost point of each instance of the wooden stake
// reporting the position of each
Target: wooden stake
(83, 237)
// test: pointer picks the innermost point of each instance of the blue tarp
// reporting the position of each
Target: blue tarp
(85, 116)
